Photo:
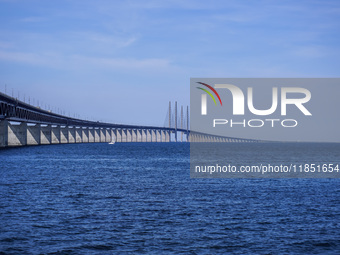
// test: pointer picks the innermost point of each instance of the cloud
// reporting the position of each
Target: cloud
(72, 62)
(122, 63)
(26, 58)
(116, 41)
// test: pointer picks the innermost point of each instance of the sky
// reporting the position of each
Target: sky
(123, 61)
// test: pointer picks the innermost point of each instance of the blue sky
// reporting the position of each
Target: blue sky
(122, 61)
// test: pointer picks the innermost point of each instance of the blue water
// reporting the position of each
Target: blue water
(137, 198)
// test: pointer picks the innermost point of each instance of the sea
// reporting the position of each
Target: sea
(138, 198)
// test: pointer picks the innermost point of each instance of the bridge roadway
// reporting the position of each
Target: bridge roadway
(22, 124)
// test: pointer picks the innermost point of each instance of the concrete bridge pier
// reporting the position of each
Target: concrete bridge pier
(3, 133)
(85, 134)
(55, 134)
(148, 136)
(153, 136)
(71, 135)
(33, 134)
(119, 135)
(143, 135)
(23, 133)
(158, 136)
(139, 135)
(64, 134)
(167, 136)
(134, 135)
(91, 135)
(163, 135)
(45, 134)
(124, 136)
(113, 134)
(128, 135)
(12, 135)
(79, 135)
(101, 135)
(96, 135)
(107, 135)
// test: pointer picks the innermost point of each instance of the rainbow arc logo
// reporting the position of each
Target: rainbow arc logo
(209, 93)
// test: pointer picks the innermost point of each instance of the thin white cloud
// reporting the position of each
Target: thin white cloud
(116, 41)
(122, 63)
(83, 62)
(20, 57)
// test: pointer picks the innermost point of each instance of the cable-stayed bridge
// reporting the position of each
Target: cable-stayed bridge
(23, 124)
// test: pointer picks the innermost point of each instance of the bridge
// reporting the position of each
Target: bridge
(23, 124)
